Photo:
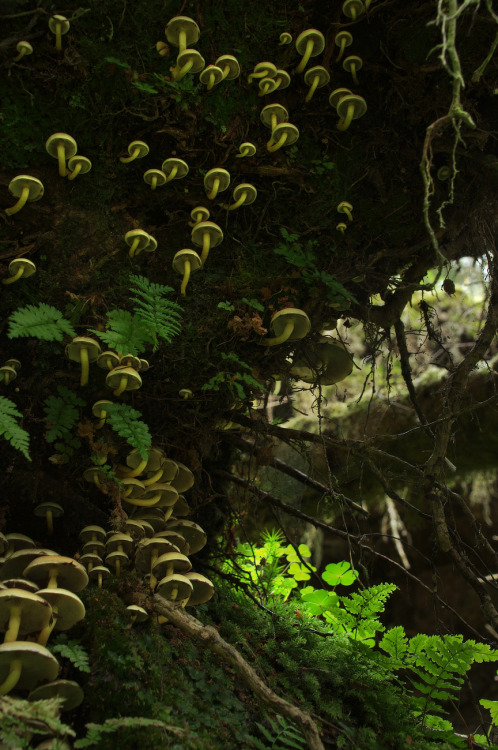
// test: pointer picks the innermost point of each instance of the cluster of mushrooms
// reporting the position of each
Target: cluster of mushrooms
(123, 371)
(38, 594)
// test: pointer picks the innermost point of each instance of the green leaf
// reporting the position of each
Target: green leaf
(126, 421)
(61, 413)
(39, 321)
(10, 429)
(124, 333)
(339, 573)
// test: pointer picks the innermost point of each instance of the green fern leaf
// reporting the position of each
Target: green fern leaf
(10, 429)
(126, 421)
(125, 333)
(39, 321)
(61, 413)
(160, 316)
(395, 643)
(76, 654)
(110, 726)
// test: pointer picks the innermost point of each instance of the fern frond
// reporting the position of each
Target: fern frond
(126, 421)
(61, 413)
(125, 333)
(9, 428)
(110, 726)
(284, 736)
(40, 321)
(161, 316)
(75, 652)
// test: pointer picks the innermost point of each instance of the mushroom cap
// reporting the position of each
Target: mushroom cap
(15, 565)
(24, 47)
(129, 360)
(343, 37)
(13, 363)
(250, 190)
(179, 24)
(285, 127)
(328, 362)
(98, 408)
(135, 488)
(104, 357)
(70, 574)
(336, 96)
(319, 72)
(211, 70)
(20, 583)
(233, 66)
(58, 20)
(359, 103)
(150, 517)
(113, 378)
(184, 480)
(169, 469)
(264, 70)
(182, 508)
(90, 559)
(249, 147)
(175, 538)
(70, 608)
(285, 37)
(174, 583)
(213, 230)
(155, 459)
(138, 613)
(85, 164)
(42, 509)
(200, 213)
(353, 62)
(273, 109)
(191, 55)
(38, 664)
(301, 322)
(117, 540)
(191, 532)
(70, 145)
(140, 234)
(180, 563)
(314, 36)
(151, 173)
(73, 349)
(182, 166)
(181, 258)
(152, 547)
(203, 589)
(11, 372)
(353, 8)
(113, 558)
(67, 690)
(142, 147)
(17, 185)
(89, 533)
(28, 267)
(168, 495)
(344, 206)
(36, 611)
(282, 79)
(135, 529)
(144, 365)
(18, 541)
(94, 547)
(3, 543)
(212, 175)
(99, 570)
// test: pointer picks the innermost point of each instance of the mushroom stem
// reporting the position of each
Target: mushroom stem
(239, 202)
(210, 82)
(179, 73)
(144, 503)
(61, 152)
(58, 41)
(214, 191)
(20, 202)
(154, 478)
(289, 327)
(101, 422)
(138, 470)
(133, 247)
(134, 155)
(206, 246)
(52, 579)
(122, 386)
(153, 184)
(75, 171)
(15, 277)
(12, 678)
(306, 57)
(186, 276)
(45, 633)
(172, 174)
(49, 516)
(85, 366)
(312, 90)
(270, 146)
(14, 625)
(182, 40)
(344, 124)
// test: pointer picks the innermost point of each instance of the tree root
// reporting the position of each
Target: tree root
(208, 637)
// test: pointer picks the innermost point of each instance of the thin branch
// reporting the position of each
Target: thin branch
(208, 637)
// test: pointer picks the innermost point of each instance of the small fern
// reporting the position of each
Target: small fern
(10, 429)
(110, 726)
(161, 316)
(39, 321)
(284, 736)
(73, 651)
(61, 413)
(127, 422)
(155, 318)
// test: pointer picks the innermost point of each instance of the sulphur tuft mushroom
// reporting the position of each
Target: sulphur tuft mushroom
(350, 108)
(99, 410)
(272, 115)
(155, 178)
(199, 213)
(174, 169)
(216, 180)
(162, 48)
(23, 48)
(353, 8)
(25, 665)
(182, 31)
(341, 227)
(284, 134)
(243, 195)
(188, 61)
(285, 38)
(262, 70)
(58, 25)
(186, 262)
(345, 208)
(84, 350)
(136, 150)
(25, 188)
(206, 234)
(8, 371)
(62, 147)
(289, 324)
(19, 267)
(49, 510)
(229, 66)
(343, 39)
(137, 240)
(327, 362)
(211, 76)
(353, 64)
(78, 165)
(315, 78)
(246, 149)
(123, 379)
(309, 44)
